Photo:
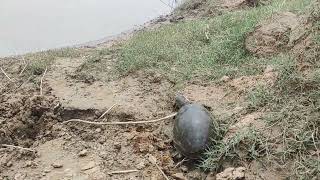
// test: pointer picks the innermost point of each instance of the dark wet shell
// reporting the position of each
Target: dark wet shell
(191, 131)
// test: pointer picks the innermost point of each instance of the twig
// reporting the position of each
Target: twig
(22, 84)
(153, 160)
(107, 111)
(315, 145)
(181, 162)
(18, 147)
(120, 123)
(24, 68)
(6, 74)
(122, 172)
(41, 81)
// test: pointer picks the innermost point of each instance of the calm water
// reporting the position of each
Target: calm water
(33, 25)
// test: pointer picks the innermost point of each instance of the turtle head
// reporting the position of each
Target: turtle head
(181, 100)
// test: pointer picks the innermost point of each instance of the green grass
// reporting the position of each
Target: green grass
(38, 62)
(203, 48)
(211, 48)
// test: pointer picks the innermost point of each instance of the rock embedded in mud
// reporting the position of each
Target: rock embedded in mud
(184, 168)
(83, 153)
(57, 165)
(47, 169)
(9, 164)
(232, 174)
(20, 176)
(272, 36)
(225, 79)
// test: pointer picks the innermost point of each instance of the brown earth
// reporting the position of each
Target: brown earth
(31, 120)
(82, 151)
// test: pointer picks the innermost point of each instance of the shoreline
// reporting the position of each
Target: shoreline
(105, 40)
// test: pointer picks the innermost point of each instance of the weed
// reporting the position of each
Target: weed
(245, 145)
(259, 97)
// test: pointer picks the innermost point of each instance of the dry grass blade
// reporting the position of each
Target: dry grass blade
(6, 74)
(24, 68)
(153, 160)
(18, 147)
(120, 123)
(107, 111)
(123, 172)
(41, 81)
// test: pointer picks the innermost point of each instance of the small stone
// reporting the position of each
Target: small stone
(19, 176)
(9, 164)
(47, 169)
(232, 174)
(269, 69)
(225, 79)
(179, 176)
(57, 165)
(89, 165)
(83, 153)
(98, 130)
(117, 145)
(28, 163)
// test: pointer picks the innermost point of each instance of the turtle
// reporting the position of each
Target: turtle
(192, 128)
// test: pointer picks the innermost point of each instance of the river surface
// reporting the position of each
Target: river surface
(34, 25)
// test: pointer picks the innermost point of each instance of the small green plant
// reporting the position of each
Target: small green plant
(245, 145)
(259, 97)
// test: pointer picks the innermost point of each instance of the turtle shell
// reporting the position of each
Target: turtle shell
(192, 129)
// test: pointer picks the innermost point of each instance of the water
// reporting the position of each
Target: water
(33, 25)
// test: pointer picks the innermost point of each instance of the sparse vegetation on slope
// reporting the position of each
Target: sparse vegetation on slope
(211, 48)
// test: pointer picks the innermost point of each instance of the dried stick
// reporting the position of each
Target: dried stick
(6, 74)
(107, 111)
(41, 81)
(120, 123)
(18, 147)
(181, 162)
(22, 84)
(122, 172)
(153, 160)
(24, 68)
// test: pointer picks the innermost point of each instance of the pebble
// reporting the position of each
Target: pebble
(98, 130)
(9, 164)
(89, 165)
(179, 176)
(57, 165)
(19, 176)
(225, 79)
(47, 169)
(28, 163)
(184, 168)
(268, 69)
(83, 153)
(117, 145)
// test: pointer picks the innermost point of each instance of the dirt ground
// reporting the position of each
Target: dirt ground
(32, 119)
(81, 151)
